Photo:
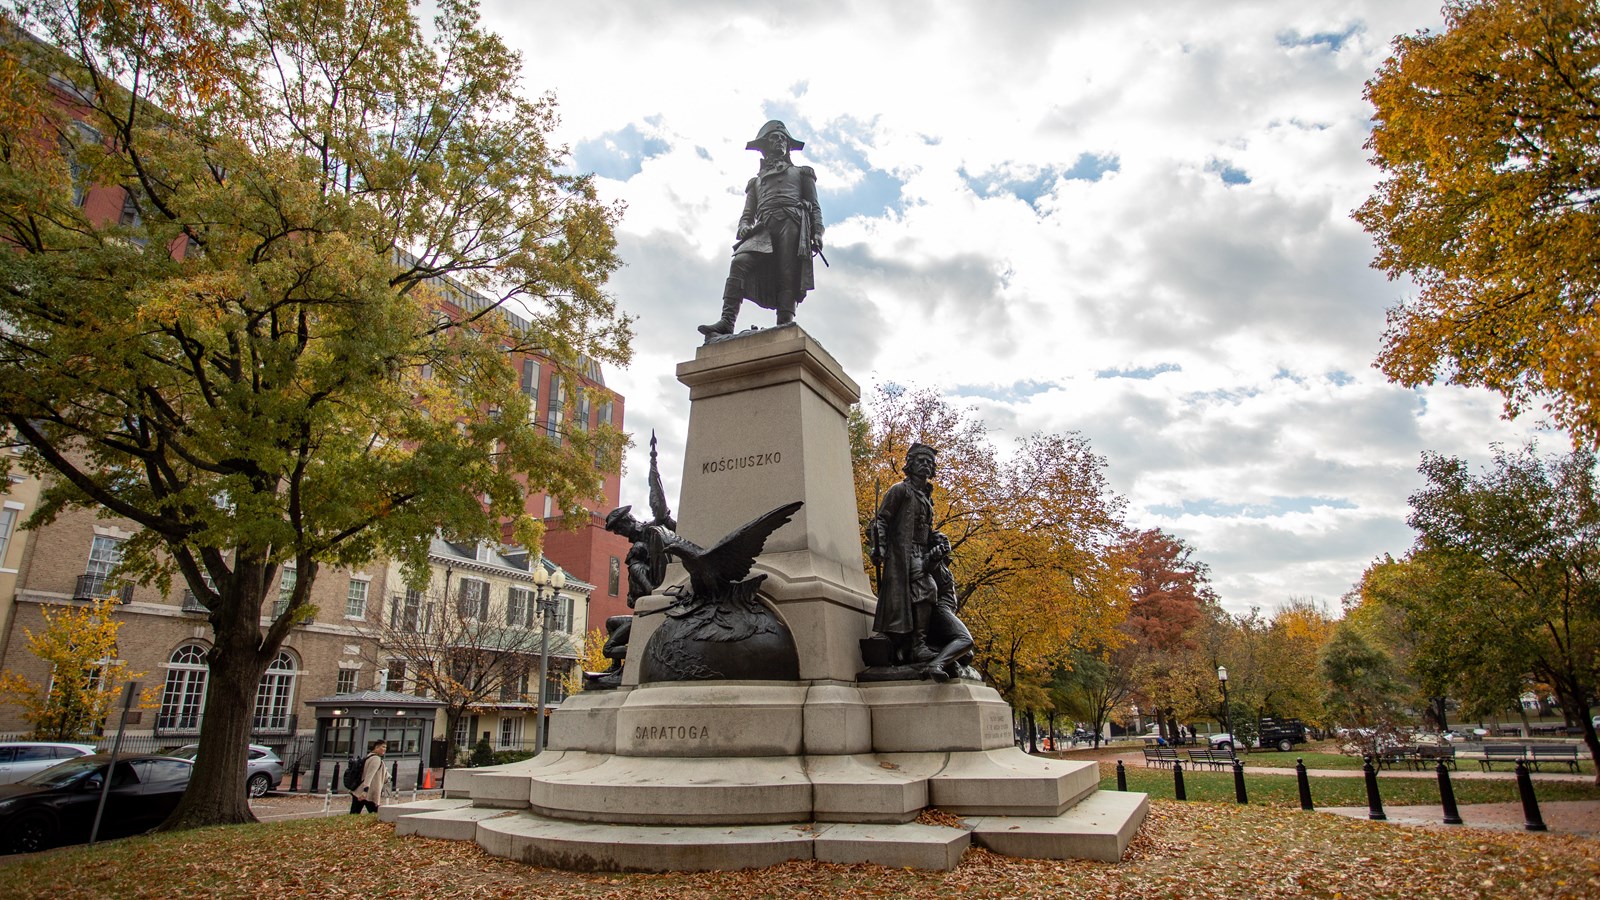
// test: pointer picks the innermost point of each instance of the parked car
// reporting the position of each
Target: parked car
(19, 759)
(1222, 741)
(57, 805)
(263, 768)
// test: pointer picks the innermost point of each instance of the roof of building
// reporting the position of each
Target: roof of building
(512, 560)
(376, 698)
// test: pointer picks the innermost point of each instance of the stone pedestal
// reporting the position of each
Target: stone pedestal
(767, 425)
(733, 774)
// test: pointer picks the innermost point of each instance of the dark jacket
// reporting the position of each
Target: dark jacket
(905, 525)
(780, 201)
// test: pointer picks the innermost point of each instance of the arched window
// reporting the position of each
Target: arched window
(275, 694)
(183, 698)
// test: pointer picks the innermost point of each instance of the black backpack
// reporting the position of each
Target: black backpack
(352, 775)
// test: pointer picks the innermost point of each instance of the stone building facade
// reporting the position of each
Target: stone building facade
(164, 636)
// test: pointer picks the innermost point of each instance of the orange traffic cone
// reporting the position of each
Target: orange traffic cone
(427, 779)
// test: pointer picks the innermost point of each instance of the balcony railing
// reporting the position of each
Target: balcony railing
(191, 603)
(93, 587)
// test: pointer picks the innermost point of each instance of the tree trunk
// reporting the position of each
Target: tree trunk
(1592, 740)
(216, 794)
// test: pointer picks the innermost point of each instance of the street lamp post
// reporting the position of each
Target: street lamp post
(1222, 677)
(542, 580)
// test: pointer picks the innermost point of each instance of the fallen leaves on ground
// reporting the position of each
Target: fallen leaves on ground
(933, 815)
(1192, 850)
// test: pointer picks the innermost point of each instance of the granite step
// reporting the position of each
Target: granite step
(1099, 827)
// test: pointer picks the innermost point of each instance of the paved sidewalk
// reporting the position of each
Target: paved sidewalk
(1580, 817)
(280, 807)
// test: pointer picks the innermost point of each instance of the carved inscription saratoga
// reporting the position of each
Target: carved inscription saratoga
(671, 732)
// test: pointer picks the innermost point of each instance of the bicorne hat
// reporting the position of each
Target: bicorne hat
(768, 129)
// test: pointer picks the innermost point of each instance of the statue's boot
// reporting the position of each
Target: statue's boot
(732, 297)
(785, 307)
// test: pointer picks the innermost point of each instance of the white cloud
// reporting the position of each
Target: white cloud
(1047, 194)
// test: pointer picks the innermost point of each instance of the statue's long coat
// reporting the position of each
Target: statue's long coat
(785, 197)
(905, 520)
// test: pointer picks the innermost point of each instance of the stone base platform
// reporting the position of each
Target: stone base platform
(1099, 827)
(862, 788)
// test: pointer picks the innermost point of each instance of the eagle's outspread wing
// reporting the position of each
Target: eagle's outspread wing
(730, 560)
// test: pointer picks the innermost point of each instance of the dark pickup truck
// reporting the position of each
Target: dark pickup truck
(1282, 733)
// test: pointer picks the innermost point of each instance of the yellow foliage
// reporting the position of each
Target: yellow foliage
(1487, 137)
(593, 660)
(1034, 537)
(79, 643)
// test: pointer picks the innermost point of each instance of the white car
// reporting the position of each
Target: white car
(1222, 742)
(263, 768)
(20, 759)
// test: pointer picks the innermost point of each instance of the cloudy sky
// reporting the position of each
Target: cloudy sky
(1127, 220)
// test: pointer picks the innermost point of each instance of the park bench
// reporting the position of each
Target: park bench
(1161, 757)
(1557, 754)
(1399, 755)
(1212, 759)
(1429, 754)
(1493, 753)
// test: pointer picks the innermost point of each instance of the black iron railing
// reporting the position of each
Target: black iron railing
(93, 587)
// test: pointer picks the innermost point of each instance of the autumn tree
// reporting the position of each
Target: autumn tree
(1090, 689)
(79, 645)
(287, 347)
(1287, 659)
(1488, 136)
(1394, 607)
(1170, 596)
(1508, 562)
(594, 659)
(465, 650)
(1036, 557)
(1362, 690)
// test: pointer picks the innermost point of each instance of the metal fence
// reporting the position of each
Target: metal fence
(295, 750)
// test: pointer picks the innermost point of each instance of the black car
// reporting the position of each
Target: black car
(57, 805)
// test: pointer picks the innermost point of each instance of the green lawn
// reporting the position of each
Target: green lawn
(1189, 850)
(1278, 788)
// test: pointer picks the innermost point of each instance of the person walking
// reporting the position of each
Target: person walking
(374, 786)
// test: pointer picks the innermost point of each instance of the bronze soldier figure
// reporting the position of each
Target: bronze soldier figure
(779, 231)
(900, 535)
(646, 564)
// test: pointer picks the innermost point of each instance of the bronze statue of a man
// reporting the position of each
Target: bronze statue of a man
(901, 535)
(779, 231)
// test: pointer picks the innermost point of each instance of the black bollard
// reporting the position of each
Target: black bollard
(420, 769)
(1530, 803)
(1305, 784)
(1122, 777)
(1447, 796)
(1238, 783)
(294, 780)
(394, 775)
(1177, 781)
(1374, 802)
